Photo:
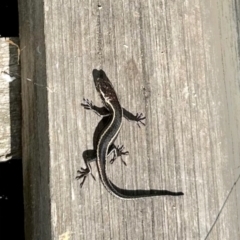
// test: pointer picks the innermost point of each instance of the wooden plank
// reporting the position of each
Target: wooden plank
(10, 100)
(175, 61)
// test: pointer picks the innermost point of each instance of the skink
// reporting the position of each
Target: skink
(112, 109)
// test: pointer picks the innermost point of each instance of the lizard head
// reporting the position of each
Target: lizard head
(104, 86)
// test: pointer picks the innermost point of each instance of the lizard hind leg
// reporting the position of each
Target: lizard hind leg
(117, 152)
(88, 156)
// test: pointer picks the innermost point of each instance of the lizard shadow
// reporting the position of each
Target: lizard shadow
(91, 154)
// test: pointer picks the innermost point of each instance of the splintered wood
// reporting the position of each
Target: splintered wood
(10, 100)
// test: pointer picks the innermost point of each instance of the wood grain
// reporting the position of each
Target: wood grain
(175, 61)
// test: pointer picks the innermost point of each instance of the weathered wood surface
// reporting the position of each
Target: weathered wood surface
(10, 100)
(176, 61)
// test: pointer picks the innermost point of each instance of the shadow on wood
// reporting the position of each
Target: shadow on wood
(11, 200)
